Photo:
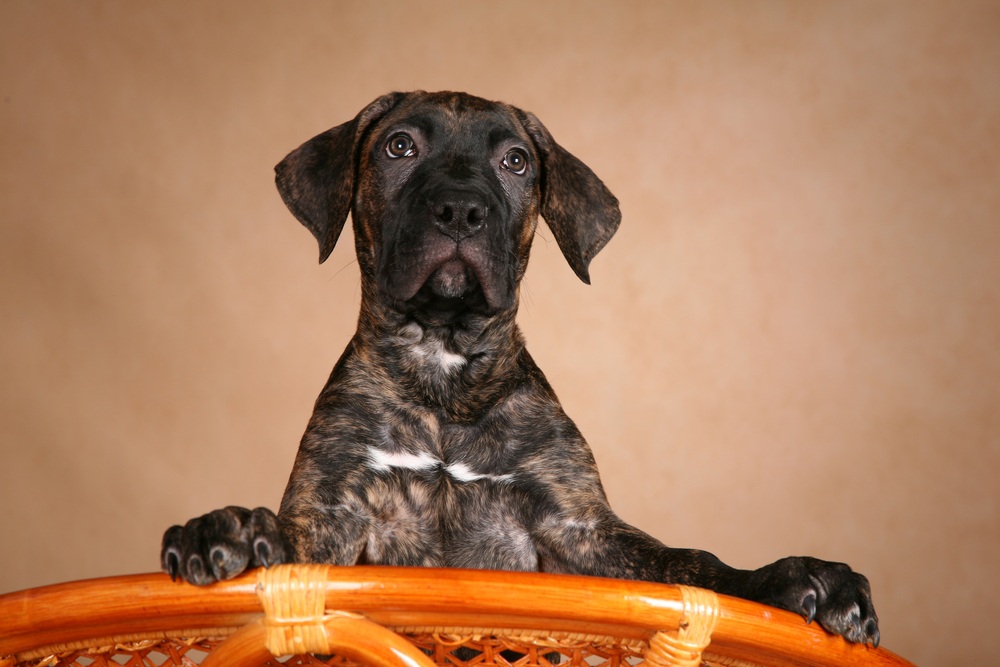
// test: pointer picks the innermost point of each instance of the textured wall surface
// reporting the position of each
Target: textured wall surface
(791, 347)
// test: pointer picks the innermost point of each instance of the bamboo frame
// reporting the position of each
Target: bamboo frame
(378, 615)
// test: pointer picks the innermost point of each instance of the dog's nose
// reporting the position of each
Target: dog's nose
(459, 214)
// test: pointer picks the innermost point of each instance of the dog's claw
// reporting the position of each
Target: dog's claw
(218, 558)
(263, 553)
(170, 558)
(871, 630)
(172, 565)
(809, 608)
(196, 568)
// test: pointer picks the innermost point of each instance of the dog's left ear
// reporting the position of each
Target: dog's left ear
(316, 180)
(579, 209)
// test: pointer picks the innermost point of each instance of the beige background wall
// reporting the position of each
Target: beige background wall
(791, 347)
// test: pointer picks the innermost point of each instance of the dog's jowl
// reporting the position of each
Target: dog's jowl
(437, 440)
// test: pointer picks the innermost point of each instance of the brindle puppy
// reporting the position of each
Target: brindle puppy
(437, 441)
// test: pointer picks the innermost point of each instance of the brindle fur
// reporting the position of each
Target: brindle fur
(437, 441)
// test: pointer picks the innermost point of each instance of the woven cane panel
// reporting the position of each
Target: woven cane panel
(447, 650)
(152, 653)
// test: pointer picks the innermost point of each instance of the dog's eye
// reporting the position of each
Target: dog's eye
(516, 161)
(400, 145)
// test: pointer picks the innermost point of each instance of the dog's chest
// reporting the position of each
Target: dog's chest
(444, 492)
(437, 487)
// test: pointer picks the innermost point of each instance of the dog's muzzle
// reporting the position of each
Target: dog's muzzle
(458, 215)
(447, 252)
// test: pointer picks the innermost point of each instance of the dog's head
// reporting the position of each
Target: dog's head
(445, 191)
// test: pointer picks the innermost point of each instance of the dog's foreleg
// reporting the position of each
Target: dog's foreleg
(603, 545)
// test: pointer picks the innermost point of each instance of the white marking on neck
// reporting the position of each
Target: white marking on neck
(429, 349)
(433, 351)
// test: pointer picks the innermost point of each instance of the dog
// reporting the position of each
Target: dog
(437, 441)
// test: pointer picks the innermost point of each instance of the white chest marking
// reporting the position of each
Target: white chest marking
(382, 460)
(463, 473)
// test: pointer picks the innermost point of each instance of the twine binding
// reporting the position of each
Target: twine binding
(684, 646)
(294, 599)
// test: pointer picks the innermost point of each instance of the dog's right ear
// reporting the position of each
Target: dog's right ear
(316, 180)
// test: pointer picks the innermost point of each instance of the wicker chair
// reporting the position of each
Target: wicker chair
(405, 617)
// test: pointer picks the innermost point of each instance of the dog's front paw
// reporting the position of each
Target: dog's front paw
(831, 593)
(221, 544)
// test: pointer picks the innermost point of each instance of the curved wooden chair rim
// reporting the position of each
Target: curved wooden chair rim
(299, 601)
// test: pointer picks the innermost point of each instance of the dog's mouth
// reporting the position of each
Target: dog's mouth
(452, 290)
(448, 282)
(450, 293)
(453, 280)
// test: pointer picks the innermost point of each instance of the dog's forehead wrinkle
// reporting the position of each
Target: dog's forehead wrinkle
(474, 129)
(419, 124)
